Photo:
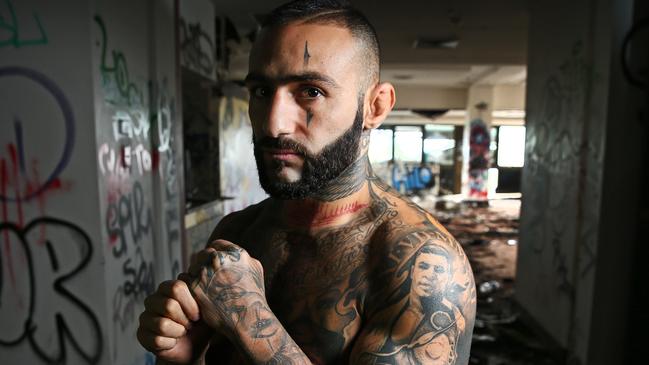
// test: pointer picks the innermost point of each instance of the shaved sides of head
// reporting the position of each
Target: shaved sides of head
(340, 13)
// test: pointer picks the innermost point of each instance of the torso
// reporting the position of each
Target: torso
(317, 281)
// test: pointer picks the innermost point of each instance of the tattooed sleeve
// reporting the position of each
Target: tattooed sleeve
(423, 306)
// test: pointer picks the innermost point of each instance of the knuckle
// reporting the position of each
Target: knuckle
(169, 306)
(163, 325)
(177, 287)
(159, 342)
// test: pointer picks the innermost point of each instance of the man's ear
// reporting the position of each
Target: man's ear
(381, 101)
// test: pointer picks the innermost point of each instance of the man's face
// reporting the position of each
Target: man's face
(306, 107)
(430, 275)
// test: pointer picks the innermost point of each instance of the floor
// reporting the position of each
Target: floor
(489, 236)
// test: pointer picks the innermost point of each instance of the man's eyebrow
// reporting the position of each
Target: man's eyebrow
(285, 79)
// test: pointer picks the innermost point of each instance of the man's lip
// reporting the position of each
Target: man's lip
(284, 152)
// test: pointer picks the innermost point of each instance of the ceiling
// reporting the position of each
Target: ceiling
(491, 39)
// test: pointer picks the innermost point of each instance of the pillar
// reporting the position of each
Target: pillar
(477, 139)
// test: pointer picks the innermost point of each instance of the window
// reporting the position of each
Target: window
(439, 144)
(407, 143)
(511, 146)
(380, 145)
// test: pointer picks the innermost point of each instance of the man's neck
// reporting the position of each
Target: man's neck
(339, 202)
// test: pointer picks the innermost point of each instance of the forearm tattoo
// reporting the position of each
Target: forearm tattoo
(236, 298)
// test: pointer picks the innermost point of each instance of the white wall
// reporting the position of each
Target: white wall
(91, 208)
(50, 246)
(572, 47)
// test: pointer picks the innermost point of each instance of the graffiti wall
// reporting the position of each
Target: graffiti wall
(239, 178)
(409, 178)
(51, 309)
(89, 176)
(137, 154)
(562, 177)
(197, 45)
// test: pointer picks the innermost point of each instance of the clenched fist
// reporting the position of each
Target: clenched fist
(226, 281)
(170, 325)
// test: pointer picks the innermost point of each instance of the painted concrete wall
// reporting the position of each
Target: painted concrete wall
(51, 308)
(89, 176)
(572, 49)
(137, 133)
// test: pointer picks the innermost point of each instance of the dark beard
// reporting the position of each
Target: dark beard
(318, 170)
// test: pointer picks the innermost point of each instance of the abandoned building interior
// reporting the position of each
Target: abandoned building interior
(520, 125)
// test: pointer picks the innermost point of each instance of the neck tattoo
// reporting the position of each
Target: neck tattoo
(350, 181)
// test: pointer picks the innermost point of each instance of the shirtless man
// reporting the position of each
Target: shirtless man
(335, 267)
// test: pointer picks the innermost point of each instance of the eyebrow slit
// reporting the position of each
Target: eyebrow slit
(306, 53)
(309, 117)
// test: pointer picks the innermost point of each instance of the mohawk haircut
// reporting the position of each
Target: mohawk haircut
(333, 12)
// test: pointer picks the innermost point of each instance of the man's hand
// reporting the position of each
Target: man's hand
(170, 326)
(226, 283)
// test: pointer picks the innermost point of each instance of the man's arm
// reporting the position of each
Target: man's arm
(423, 309)
(228, 285)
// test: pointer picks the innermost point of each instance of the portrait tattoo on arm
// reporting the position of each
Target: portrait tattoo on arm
(426, 314)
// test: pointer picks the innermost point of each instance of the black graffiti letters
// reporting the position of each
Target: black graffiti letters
(128, 214)
(196, 47)
(47, 269)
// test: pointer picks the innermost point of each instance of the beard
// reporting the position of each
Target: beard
(318, 169)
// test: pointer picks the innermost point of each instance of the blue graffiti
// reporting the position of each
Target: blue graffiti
(412, 179)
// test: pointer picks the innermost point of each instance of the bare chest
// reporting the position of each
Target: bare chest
(315, 286)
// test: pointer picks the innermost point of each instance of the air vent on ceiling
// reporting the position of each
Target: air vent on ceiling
(436, 43)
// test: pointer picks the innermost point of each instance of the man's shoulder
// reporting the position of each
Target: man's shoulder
(409, 225)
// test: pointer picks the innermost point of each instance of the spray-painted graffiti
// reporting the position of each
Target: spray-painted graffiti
(138, 283)
(407, 178)
(52, 181)
(40, 261)
(127, 217)
(116, 81)
(10, 29)
(411, 179)
(125, 160)
(162, 116)
(131, 124)
(479, 141)
(197, 48)
(46, 272)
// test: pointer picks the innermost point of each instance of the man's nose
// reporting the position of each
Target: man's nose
(283, 112)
